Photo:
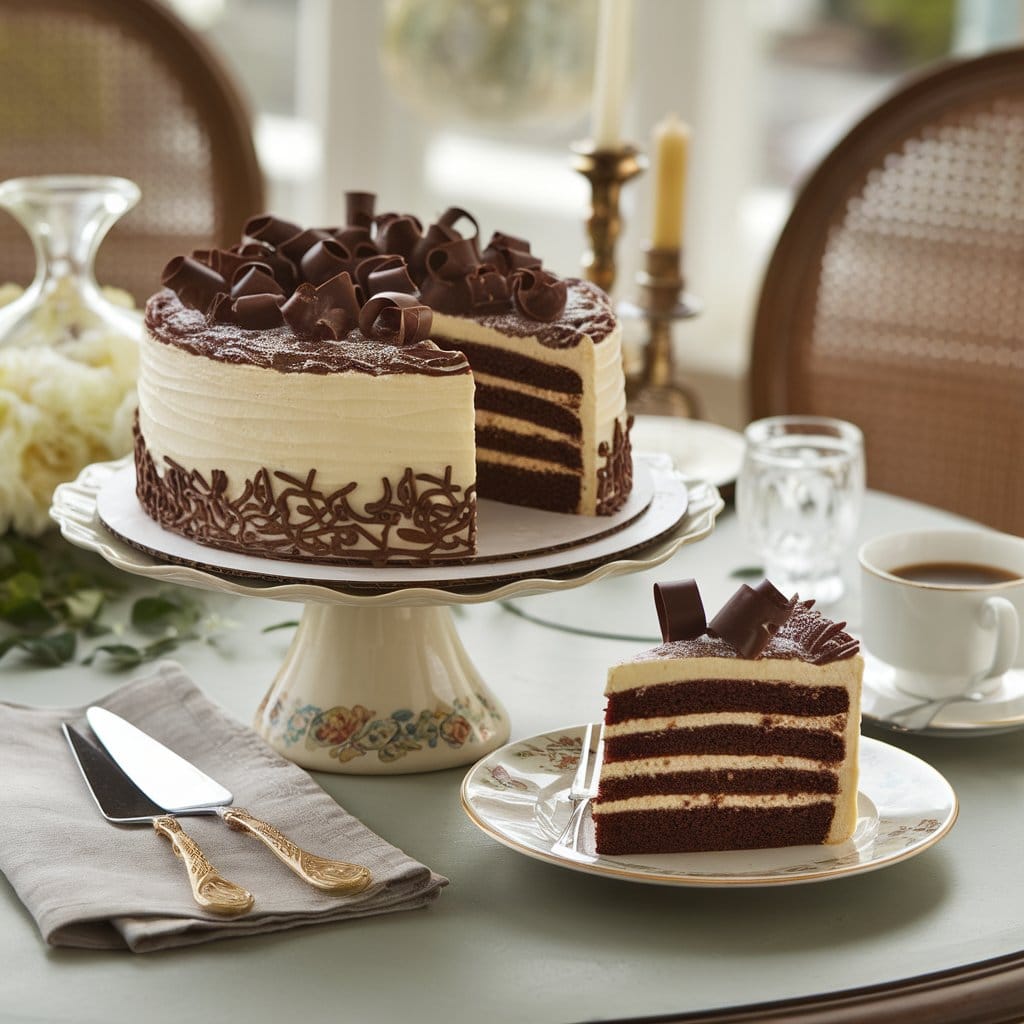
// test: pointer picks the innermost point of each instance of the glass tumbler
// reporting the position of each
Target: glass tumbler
(798, 498)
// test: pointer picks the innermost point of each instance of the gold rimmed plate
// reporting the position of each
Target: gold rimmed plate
(518, 795)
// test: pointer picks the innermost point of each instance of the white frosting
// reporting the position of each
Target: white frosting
(206, 414)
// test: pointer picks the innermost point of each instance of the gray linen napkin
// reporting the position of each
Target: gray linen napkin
(96, 885)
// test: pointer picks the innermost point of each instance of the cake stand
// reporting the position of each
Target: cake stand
(376, 680)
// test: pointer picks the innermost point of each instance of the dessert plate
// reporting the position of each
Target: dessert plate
(699, 450)
(518, 795)
(1001, 711)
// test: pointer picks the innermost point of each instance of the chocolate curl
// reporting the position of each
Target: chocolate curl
(508, 254)
(193, 282)
(395, 318)
(228, 263)
(301, 310)
(400, 235)
(285, 272)
(255, 282)
(437, 234)
(334, 324)
(452, 216)
(326, 259)
(680, 610)
(270, 229)
(750, 618)
(538, 294)
(359, 208)
(364, 268)
(452, 260)
(392, 276)
(298, 245)
(357, 240)
(220, 309)
(488, 290)
(340, 293)
(257, 312)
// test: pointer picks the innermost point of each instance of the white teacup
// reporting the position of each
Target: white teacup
(944, 630)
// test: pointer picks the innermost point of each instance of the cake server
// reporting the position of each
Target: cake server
(178, 787)
(123, 803)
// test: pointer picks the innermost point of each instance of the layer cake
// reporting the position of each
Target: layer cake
(344, 394)
(738, 734)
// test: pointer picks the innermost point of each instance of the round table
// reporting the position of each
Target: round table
(939, 937)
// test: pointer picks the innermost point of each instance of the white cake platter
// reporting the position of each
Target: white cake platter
(377, 681)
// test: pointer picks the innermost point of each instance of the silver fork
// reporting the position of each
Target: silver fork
(583, 789)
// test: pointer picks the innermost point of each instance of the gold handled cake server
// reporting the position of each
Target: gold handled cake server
(120, 801)
(180, 788)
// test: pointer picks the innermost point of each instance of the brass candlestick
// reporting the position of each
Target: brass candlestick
(607, 170)
(663, 300)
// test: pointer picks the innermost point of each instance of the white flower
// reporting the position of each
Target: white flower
(61, 408)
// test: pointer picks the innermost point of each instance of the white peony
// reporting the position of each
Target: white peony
(61, 408)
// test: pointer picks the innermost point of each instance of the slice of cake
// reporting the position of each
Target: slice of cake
(739, 734)
(343, 394)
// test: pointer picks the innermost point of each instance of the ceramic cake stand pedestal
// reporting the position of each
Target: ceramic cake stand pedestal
(376, 680)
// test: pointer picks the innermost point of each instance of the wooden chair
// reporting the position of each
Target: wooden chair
(895, 295)
(124, 87)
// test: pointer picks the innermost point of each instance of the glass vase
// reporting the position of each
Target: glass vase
(67, 217)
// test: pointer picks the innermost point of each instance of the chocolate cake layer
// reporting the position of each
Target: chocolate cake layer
(711, 828)
(726, 780)
(529, 408)
(727, 739)
(699, 695)
(552, 492)
(561, 453)
(515, 367)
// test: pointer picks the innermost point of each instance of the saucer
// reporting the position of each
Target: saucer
(1001, 711)
(698, 449)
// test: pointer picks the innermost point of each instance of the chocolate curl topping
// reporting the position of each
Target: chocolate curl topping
(750, 618)
(257, 312)
(298, 245)
(392, 276)
(452, 216)
(334, 324)
(340, 293)
(400, 236)
(488, 290)
(680, 610)
(324, 260)
(300, 310)
(395, 318)
(509, 253)
(364, 268)
(538, 294)
(357, 240)
(359, 208)
(270, 229)
(255, 281)
(437, 234)
(452, 260)
(193, 282)
(281, 267)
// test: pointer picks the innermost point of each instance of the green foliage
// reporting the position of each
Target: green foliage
(53, 595)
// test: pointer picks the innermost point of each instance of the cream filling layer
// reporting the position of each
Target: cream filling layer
(829, 723)
(652, 670)
(524, 462)
(693, 802)
(559, 398)
(499, 421)
(206, 415)
(649, 766)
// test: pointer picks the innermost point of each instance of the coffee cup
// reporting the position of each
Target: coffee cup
(944, 608)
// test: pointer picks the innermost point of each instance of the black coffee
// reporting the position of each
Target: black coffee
(960, 574)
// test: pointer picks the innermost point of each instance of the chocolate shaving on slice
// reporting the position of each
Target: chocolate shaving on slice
(400, 235)
(396, 318)
(508, 253)
(488, 290)
(750, 618)
(298, 245)
(365, 267)
(680, 610)
(333, 324)
(392, 276)
(193, 282)
(340, 293)
(452, 260)
(270, 229)
(538, 294)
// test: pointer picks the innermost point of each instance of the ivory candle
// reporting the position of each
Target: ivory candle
(671, 142)
(611, 67)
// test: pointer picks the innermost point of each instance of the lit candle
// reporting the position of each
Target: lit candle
(611, 66)
(671, 141)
